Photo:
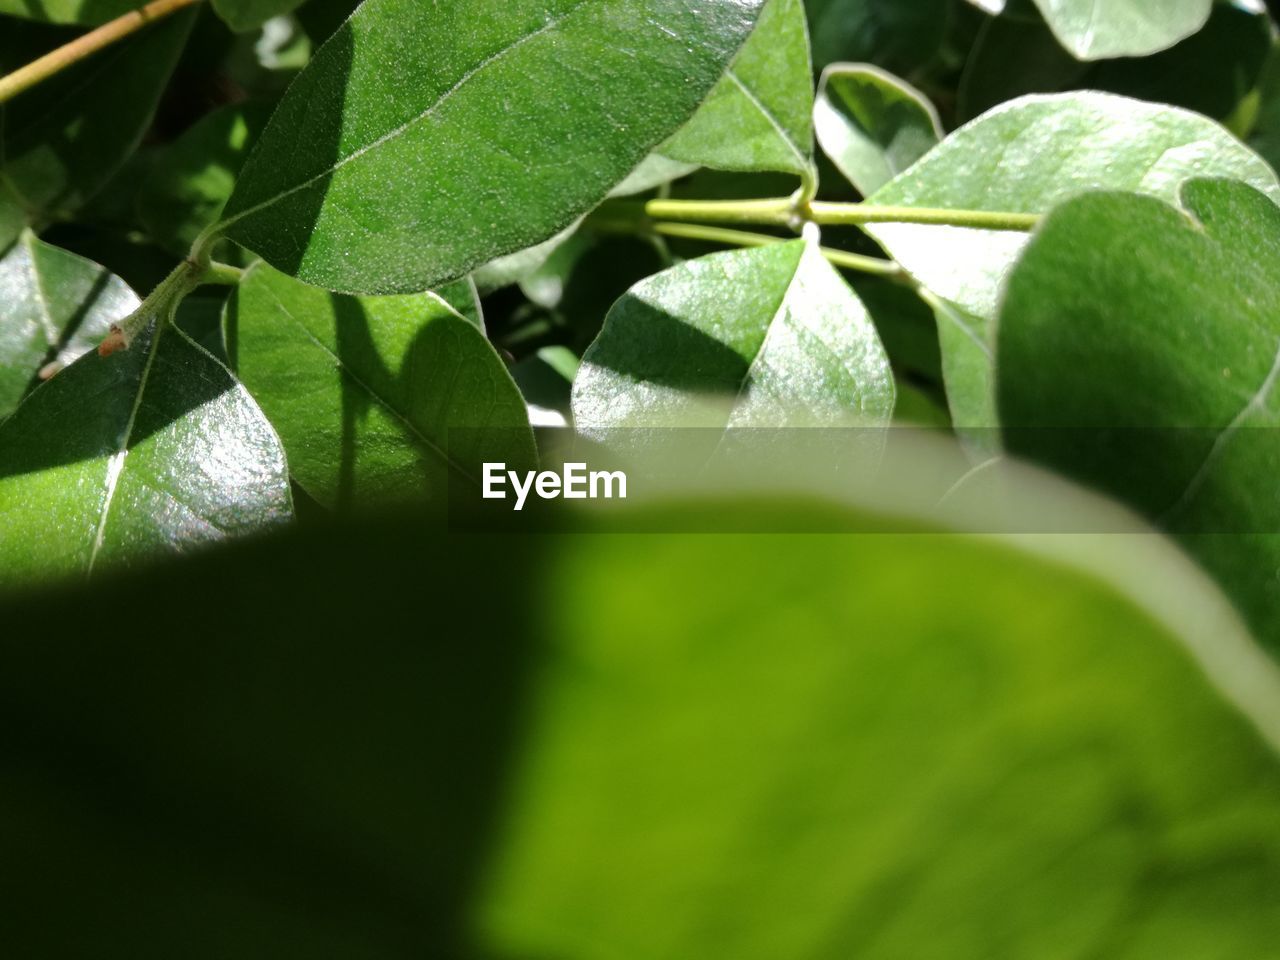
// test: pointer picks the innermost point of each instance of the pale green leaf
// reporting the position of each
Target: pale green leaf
(1026, 157)
(1099, 29)
(774, 335)
(873, 125)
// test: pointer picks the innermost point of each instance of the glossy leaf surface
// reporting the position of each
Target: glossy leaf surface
(1158, 339)
(153, 451)
(774, 332)
(54, 307)
(378, 400)
(427, 139)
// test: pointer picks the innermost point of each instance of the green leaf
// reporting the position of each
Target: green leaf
(1156, 338)
(872, 125)
(378, 400)
(1210, 72)
(153, 451)
(427, 139)
(191, 179)
(893, 34)
(81, 12)
(760, 115)
(1027, 157)
(840, 747)
(774, 331)
(245, 15)
(62, 141)
(1099, 29)
(54, 307)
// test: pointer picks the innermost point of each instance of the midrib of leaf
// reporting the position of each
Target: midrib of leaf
(953, 315)
(115, 466)
(1256, 403)
(768, 333)
(51, 333)
(399, 131)
(408, 425)
(770, 117)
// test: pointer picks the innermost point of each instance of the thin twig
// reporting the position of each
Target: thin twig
(24, 78)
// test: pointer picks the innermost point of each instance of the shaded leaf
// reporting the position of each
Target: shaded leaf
(191, 179)
(893, 34)
(378, 400)
(62, 141)
(872, 125)
(245, 15)
(1210, 72)
(427, 139)
(81, 12)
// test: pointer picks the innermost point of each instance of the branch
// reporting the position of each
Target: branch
(24, 78)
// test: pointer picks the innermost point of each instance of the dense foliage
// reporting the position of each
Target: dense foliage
(279, 276)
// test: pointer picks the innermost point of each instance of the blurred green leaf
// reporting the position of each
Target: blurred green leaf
(760, 116)
(382, 169)
(54, 307)
(834, 746)
(62, 141)
(190, 180)
(893, 34)
(371, 395)
(1100, 29)
(1156, 337)
(81, 12)
(773, 331)
(872, 125)
(1026, 157)
(882, 747)
(245, 15)
(153, 451)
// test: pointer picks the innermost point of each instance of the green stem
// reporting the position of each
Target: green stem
(222, 274)
(24, 78)
(785, 212)
(163, 301)
(859, 214)
(741, 238)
